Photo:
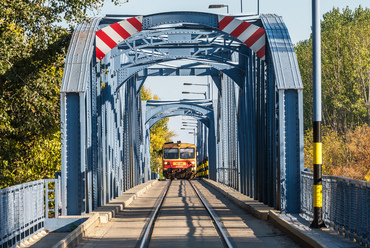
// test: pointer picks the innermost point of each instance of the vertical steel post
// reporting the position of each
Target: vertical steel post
(317, 152)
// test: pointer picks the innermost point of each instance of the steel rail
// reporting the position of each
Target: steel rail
(150, 223)
(214, 217)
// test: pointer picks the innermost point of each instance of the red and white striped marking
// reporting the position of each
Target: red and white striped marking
(109, 37)
(251, 35)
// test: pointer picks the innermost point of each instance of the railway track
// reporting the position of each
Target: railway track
(150, 225)
(151, 220)
(178, 214)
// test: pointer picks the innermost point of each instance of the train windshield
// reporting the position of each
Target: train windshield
(187, 153)
(171, 153)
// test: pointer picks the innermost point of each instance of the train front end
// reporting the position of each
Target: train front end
(179, 160)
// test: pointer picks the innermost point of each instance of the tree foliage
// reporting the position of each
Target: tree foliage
(345, 69)
(32, 50)
(159, 134)
(345, 37)
(345, 155)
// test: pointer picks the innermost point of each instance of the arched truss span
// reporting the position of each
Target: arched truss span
(157, 110)
(232, 71)
(147, 48)
(209, 68)
(207, 43)
(179, 112)
(250, 34)
(176, 41)
(188, 69)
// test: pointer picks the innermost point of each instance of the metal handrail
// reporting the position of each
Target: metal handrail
(345, 205)
(23, 210)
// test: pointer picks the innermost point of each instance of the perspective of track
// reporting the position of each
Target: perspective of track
(181, 219)
(150, 226)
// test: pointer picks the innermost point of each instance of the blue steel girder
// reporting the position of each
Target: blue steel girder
(213, 47)
(176, 42)
(234, 73)
(179, 112)
(196, 69)
(199, 109)
(282, 54)
(199, 102)
(178, 71)
(166, 56)
(283, 62)
(152, 111)
(170, 36)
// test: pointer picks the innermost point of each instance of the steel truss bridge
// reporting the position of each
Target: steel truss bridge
(249, 135)
(252, 132)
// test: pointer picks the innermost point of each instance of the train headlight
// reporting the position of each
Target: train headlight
(193, 162)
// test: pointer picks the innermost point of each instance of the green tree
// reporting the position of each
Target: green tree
(159, 134)
(345, 69)
(304, 56)
(345, 37)
(32, 50)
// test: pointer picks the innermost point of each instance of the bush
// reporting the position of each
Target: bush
(344, 155)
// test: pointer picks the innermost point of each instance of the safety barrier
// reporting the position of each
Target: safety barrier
(202, 169)
(24, 208)
(346, 205)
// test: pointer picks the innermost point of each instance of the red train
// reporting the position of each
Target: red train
(179, 160)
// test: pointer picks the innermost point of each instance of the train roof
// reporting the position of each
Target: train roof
(178, 144)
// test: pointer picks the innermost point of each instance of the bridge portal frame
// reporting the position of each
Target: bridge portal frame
(93, 133)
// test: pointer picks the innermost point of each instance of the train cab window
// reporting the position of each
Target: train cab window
(170, 153)
(187, 153)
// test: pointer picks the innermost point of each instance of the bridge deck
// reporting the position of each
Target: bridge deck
(124, 230)
(243, 226)
(183, 222)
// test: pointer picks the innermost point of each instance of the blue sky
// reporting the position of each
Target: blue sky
(296, 15)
